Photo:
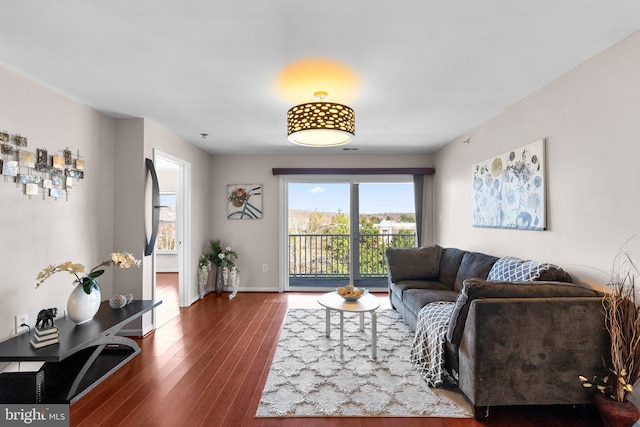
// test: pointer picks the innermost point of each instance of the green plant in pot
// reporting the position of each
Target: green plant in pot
(223, 259)
(211, 257)
(204, 265)
(622, 320)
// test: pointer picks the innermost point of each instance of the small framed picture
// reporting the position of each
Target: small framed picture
(45, 168)
(29, 179)
(4, 137)
(67, 157)
(80, 164)
(58, 162)
(6, 149)
(244, 201)
(10, 168)
(26, 159)
(31, 189)
(43, 157)
(56, 192)
(21, 141)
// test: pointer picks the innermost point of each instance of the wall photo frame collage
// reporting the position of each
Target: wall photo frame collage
(39, 172)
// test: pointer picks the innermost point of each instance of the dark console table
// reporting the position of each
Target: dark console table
(86, 354)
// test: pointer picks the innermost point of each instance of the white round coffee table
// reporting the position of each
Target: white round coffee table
(365, 304)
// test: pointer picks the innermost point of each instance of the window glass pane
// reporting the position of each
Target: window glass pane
(168, 213)
(166, 237)
(318, 234)
(387, 219)
(166, 240)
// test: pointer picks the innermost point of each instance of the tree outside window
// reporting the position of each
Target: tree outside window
(166, 241)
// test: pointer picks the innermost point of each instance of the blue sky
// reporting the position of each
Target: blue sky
(374, 198)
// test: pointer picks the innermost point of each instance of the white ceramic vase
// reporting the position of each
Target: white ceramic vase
(81, 307)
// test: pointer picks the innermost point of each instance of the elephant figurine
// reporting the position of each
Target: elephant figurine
(45, 317)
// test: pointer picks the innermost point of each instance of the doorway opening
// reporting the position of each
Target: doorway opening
(171, 255)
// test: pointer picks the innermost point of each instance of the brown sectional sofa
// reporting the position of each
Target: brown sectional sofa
(521, 338)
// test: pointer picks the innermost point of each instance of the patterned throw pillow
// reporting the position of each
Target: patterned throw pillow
(514, 269)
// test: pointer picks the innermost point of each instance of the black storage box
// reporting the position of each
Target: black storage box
(22, 387)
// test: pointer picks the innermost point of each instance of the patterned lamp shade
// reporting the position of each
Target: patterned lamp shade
(321, 124)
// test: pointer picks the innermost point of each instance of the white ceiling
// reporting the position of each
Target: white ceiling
(429, 70)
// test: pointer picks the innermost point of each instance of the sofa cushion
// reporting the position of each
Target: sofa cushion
(403, 285)
(474, 265)
(515, 269)
(415, 299)
(477, 288)
(413, 263)
(449, 265)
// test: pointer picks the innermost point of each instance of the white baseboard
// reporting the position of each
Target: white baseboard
(132, 332)
(254, 289)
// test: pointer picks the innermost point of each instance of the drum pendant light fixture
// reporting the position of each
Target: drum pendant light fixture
(320, 123)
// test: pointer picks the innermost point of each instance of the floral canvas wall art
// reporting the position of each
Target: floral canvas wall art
(509, 189)
(244, 201)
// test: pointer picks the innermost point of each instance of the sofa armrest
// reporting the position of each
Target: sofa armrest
(531, 351)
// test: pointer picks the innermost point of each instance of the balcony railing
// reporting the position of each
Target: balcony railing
(328, 255)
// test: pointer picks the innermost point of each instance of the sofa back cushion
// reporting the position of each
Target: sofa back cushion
(449, 266)
(477, 288)
(514, 269)
(474, 264)
(414, 263)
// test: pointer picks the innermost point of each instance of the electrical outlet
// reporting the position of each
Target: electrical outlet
(265, 268)
(22, 319)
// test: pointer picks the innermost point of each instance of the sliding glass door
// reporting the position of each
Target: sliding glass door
(386, 219)
(318, 234)
(338, 231)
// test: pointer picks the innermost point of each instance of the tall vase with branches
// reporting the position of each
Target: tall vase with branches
(622, 321)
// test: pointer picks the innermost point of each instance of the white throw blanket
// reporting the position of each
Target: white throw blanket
(427, 351)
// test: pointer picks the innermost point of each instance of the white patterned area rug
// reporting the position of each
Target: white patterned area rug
(307, 377)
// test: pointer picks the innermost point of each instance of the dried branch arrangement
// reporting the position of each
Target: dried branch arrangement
(622, 320)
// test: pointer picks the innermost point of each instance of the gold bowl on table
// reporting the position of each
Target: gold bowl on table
(350, 292)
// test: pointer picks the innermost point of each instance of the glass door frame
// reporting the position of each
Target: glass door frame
(354, 216)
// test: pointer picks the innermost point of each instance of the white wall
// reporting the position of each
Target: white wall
(590, 118)
(136, 141)
(43, 231)
(256, 241)
(106, 211)
(129, 205)
(156, 137)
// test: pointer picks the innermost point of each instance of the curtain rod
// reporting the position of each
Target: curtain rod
(353, 171)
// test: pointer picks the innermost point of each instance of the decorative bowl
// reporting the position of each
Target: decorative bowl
(351, 293)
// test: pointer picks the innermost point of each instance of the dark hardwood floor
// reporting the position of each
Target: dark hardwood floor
(208, 366)
(167, 290)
